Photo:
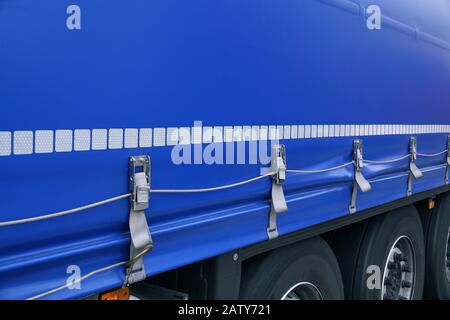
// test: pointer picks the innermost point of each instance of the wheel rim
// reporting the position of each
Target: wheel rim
(303, 291)
(399, 271)
(447, 256)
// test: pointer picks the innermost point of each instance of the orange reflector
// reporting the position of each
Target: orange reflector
(431, 204)
(119, 294)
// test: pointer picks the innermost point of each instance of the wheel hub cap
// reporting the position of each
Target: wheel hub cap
(399, 272)
(303, 291)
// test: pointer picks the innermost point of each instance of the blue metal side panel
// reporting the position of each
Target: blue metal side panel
(150, 64)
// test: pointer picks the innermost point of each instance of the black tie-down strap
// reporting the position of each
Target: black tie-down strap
(358, 180)
(141, 240)
(278, 202)
(414, 171)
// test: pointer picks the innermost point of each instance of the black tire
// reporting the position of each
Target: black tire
(346, 243)
(380, 236)
(270, 276)
(437, 283)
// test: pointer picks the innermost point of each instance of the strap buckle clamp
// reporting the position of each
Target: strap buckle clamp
(414, 171)
(278, 201)
(141, 240)
(358, 181)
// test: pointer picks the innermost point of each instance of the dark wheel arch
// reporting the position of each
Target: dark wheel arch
(272, 274)
(437, 284)
(380, 236)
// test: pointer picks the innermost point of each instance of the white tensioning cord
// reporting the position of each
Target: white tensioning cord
(387, 161)
(432, 154)
(90, 274)
(321, 170)
(228, 186)
(63, 213)
(122, 263)
(405, 157)
(96, 204)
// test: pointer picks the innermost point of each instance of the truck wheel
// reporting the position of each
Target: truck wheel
(438, 251)
(304, 271)
(393, 244)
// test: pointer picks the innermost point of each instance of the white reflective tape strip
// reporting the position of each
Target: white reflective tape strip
(264, 133)
(347, 130)
(246, 133)
(331, 131)
(207, 135)
(320, 131)
(131, 137)
(280, 132)
(307, 131)
(217, 134)
(172, 136)
(82, 140)
(294, 132)
(23, 142)
(237, 133)
(66, 140)
(115, 139)
(99, 139)
(287, 132)
(272, 132)
(255, 133)
(228, 134)
(159, 137)
(301, 132)
(197, 135)
(145, 137)
(185, 136)
(5, 143)
(337, 132)
(359, 130)
(342, 130)
(63, 140)
(314, 131)
(43, 141)
(326, 131)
